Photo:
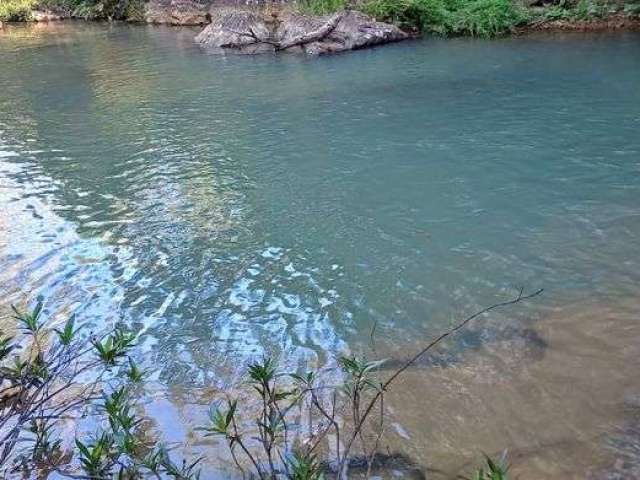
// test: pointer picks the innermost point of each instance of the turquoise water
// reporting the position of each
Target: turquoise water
(227, 207)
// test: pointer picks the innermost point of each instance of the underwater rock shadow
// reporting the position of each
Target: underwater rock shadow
(393, 463)
(533, 348)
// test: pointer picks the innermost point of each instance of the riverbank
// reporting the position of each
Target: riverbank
(223, 207)
(609, 23)
(481, 18)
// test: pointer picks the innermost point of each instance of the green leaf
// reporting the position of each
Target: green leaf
(67, 333)
(135, 374)
(28, 320)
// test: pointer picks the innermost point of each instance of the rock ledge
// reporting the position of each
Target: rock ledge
(252, 31)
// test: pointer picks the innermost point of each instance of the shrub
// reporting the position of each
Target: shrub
(97, 9)
(480, 18)
(50, 375)
(632, 9)
(584, 10)
(487, 18)
(592, 10)
(16, 10)
(283, 396)
(556, 12)
(322, 7)
(427, 15)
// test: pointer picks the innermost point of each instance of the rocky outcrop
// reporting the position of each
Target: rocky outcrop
(177, 12)
(49, 15)
(251, 31)
(238, 30)
(196, 12)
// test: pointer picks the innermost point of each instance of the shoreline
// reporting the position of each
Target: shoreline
(614, 22)
(610, 24)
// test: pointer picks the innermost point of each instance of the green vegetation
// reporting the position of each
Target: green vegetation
(632, 9)
(322, 7)
(477, 18)
(583, 10)
(49, 376)
(494, 470)
(20, 10)
(134, 11)
(100, 9)
(16, 10)
(480, 18)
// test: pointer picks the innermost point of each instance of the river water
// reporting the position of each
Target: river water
(231, 207)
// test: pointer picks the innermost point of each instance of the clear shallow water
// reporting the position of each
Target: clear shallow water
(230, 206)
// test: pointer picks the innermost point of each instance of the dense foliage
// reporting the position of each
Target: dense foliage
(584, 10)
(322, 7)
(482, 18)
(478, 18)
(100, 9)
(16, 10)
(20, 10)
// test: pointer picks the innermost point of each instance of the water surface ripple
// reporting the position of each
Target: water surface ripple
(230, 207)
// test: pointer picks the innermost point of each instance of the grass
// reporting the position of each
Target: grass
(16, 10)
(20, 10)
(103, 9)
(478, 18)
(584, 10)
(321, 7)
(588, 9)
(487, 18)
(492, 470)
(632, 9)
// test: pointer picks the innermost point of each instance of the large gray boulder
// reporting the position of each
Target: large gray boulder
(252, 31)
(238, 30)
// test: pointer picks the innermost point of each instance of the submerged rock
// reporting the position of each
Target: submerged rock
(252, 31)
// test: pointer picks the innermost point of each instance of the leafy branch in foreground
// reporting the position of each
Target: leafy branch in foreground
(279, 455)
(51, 375)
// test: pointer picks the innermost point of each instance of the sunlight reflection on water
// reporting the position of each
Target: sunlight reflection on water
(227, 208)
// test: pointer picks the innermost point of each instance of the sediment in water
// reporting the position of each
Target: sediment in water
(564, 405)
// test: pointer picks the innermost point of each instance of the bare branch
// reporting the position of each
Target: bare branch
(361, 421)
